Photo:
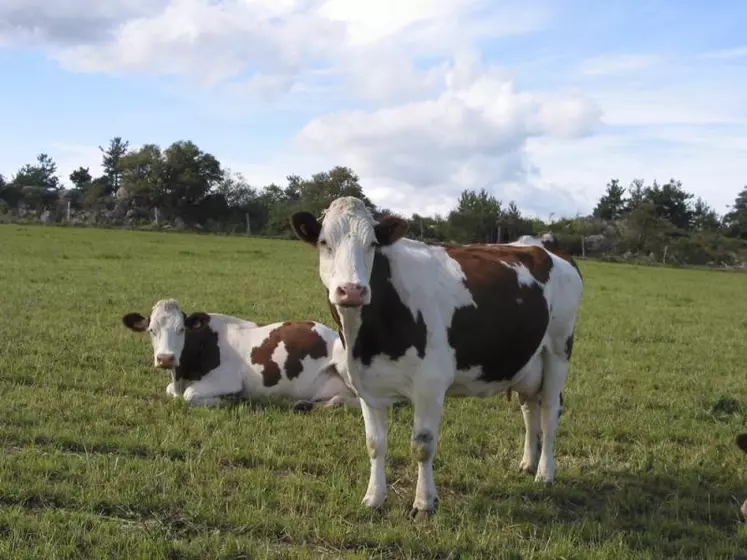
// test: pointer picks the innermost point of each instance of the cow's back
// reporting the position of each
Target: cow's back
(287, 356)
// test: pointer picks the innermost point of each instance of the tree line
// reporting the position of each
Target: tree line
(185, 187)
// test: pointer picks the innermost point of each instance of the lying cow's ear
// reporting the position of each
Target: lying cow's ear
(742, 442)
(135, 322)
(306, 227)
(390, 229)
(197, 320)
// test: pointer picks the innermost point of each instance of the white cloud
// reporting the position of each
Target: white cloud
(67, 22)
(472, 135)
(213, 42)
(620, 63)
(711, 166)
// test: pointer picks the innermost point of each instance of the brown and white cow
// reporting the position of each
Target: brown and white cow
(212, 355)
(422, 322)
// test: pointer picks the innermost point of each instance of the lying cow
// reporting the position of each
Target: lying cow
(546, 240)
(213, 355)
(423, 322)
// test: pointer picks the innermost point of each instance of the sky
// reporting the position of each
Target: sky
(539, 102)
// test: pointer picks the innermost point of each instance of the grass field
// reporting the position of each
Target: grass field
(99, 462)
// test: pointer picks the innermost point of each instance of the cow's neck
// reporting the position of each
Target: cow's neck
(386, 327)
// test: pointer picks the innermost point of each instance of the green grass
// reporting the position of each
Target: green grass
(99, 462)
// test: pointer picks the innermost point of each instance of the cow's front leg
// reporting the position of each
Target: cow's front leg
(177, 386)
(426, 428)
(209, 390)
(375, 421)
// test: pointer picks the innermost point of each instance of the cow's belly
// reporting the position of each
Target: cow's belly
(386, 381)
(471, 383)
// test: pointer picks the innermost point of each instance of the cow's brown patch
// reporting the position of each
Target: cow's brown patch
(387, 325)
(300, 339)
(503, 330)
(537, 261)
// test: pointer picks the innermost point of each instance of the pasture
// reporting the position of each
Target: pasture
(97, 461)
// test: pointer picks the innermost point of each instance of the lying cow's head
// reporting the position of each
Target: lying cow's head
(347, 239)
(166, 326)
(742, 444)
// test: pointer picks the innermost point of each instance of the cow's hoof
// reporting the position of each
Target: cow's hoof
(419, 515)
(303, 406)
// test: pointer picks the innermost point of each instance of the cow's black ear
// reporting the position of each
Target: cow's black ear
(306, 227)
(135, 322)
(196, 321)
(742, 442)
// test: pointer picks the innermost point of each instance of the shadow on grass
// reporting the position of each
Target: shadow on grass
(682, 513)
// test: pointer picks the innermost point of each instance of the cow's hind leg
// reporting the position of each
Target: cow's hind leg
(528, 387)
(530, 410)
(555, 374)
(330, 390)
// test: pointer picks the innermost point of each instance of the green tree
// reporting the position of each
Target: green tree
(672, 203)
(735, 220)
(142, 175)
(704, 217)
(475, 218)
(38, 183)
(636, 195)
(187, 174)
(612, 203)
(112, 158)
(81, 178)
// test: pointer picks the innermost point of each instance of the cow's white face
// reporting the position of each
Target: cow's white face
(166, 327)
(347, 239)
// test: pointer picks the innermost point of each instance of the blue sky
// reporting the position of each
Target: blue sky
(539, 102)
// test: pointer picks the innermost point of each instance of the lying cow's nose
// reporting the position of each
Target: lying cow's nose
(165, 360)
(351, 294)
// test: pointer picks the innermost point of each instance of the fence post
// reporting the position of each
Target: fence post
(248, 224)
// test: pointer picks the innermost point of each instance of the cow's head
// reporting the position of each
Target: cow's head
(166, 326)
(347, 239)
(742, 444)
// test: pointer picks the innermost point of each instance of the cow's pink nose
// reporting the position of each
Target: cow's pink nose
(165, 360)
(351, 294)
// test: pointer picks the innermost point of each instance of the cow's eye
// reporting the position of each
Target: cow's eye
(322, 242)
(151, 331)
(374, 243)
(180, 331)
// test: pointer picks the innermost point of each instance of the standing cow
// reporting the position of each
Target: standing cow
(423, 322)
(213, 355)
